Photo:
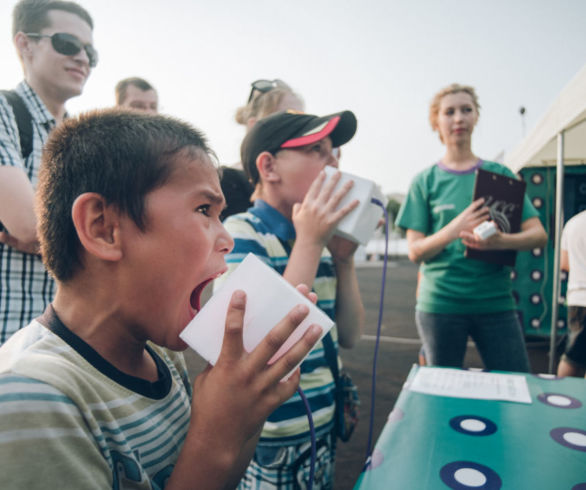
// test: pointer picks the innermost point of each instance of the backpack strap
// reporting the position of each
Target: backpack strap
(331, 356)
(24, 121)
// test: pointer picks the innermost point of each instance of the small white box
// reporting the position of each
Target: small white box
(359, 225)
(268, 299)
(485, 230)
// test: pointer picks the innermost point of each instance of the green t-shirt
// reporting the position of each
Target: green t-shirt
(450, 282)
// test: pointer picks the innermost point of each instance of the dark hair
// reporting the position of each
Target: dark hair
(31, 15)
(237, 190)
(118, 154)
(122, 87)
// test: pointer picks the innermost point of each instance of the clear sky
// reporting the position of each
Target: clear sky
(382, 59)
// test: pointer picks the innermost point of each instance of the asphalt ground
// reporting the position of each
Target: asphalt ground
(398, 351)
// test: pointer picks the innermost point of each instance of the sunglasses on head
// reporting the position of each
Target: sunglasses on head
(69, 45)
(264, 86)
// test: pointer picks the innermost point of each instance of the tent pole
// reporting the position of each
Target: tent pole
(559, 221)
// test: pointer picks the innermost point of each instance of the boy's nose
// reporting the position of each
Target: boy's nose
(332, 161)
(225, 241)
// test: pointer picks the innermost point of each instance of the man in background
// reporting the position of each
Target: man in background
(53, 40)
(573, 260)
(137, 93)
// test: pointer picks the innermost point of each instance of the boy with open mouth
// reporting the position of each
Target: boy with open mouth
(93, 393)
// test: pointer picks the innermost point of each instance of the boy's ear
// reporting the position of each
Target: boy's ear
(97, 226)
(267, 169)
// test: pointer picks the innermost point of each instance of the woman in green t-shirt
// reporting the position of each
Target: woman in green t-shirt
(460, 297)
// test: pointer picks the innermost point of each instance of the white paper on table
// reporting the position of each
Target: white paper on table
(471, 384)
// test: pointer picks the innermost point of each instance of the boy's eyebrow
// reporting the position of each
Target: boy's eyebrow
(214, 197)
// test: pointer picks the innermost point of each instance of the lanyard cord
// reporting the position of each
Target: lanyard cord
(312, 434)
(376, 345)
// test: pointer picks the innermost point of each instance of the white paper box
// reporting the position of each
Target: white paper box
(359, 225)
(485, 230)
(268, 299)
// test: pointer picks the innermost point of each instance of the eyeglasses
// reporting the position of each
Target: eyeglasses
(264, 86)
(69, 45)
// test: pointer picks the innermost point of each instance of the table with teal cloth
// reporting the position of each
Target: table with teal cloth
(438, 442)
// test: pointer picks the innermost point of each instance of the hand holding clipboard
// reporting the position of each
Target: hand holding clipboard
(504, 197)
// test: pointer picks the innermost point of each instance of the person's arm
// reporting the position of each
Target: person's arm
(532, 235)
(424, 247)
(315, 220)
(17, 213)
(232, 400)
(349, 307)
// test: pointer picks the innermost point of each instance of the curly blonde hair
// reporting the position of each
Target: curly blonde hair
(263, 104)
(454, 88)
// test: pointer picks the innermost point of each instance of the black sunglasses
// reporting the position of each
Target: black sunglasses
(264, 86)
(69, 45)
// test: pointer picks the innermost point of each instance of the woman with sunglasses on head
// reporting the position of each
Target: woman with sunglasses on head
(458, 296)
(53, 40)
(266, 97)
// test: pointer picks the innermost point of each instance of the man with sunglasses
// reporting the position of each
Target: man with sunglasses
(53, 40)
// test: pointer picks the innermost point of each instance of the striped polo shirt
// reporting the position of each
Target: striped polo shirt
(265, 232)
(25, 286)
(70, 419)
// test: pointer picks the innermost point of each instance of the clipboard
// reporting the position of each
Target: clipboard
(504, 196)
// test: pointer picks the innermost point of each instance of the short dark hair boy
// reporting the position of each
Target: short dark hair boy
(93, 391)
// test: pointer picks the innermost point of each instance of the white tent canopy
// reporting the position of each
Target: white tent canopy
(566, 115)
(559, 139)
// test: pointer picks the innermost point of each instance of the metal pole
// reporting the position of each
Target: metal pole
(559, 221)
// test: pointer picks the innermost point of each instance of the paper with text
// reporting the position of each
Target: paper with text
(471, 384)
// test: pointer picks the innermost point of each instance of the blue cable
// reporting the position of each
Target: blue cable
(312, 434)
(380, 316)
